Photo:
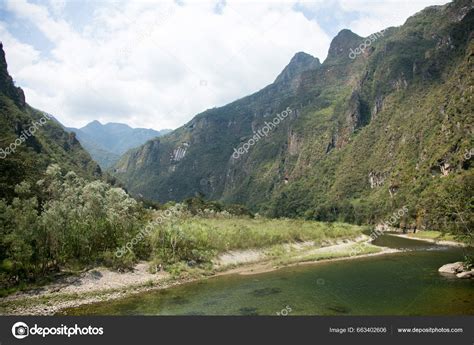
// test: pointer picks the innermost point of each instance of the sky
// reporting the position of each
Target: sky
(156, 64)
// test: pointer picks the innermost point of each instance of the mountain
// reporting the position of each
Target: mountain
(106, 143)
(299, 63)
(30, 140)
(384, 122)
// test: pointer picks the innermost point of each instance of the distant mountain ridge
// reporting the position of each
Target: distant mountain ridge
(106, 143)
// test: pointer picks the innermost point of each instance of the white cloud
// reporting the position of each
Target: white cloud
(19, 55)
(57, 6)
(157, 64)
(55, 30)
(369, 16)
(378, 15)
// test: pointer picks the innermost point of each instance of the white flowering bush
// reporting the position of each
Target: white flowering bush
(72, 222)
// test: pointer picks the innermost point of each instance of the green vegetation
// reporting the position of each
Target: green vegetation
(433, 235)
(64, 222)
(50, 143)
(451, 206)
(198, 205)
(199, 239)
(354, 249)
(366, 137)
(72, 223)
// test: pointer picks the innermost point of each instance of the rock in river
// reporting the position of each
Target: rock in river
(467, 274)
(453, 268)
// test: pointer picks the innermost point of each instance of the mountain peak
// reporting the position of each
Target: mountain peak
(106, 142)
(299, 63)
(94, 123)
(340, 44)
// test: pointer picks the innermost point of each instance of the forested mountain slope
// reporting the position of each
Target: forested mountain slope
(367, 134)
(31, 140)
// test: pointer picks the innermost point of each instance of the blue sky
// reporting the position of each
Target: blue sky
(156, 64)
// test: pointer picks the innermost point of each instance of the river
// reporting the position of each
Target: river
(404, 283)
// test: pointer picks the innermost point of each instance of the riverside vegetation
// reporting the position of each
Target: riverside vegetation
(41, 233)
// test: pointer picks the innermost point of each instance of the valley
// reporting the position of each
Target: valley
(340, 188)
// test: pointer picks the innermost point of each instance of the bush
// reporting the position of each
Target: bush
(123, 263)
(199, 206)
(468, 262)
(73, 221)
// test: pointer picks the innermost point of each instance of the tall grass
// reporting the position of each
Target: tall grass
(200, 239)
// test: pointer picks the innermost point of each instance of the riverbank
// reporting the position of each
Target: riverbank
(403, 283)
(413, 236)
(101, 284)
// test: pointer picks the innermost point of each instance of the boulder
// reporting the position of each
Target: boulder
(453, 268)
(467, 274)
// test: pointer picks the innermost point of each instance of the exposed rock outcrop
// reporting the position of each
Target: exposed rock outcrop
(7, 86)
(341, 44)
(179, 152)
(294, 143)
(376, 179)
(299, 63)
(353, 114)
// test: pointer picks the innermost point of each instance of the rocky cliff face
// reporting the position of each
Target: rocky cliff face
(7, 86)
(300, 63)
(363, 132)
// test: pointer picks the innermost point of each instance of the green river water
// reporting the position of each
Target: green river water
(406, 283)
